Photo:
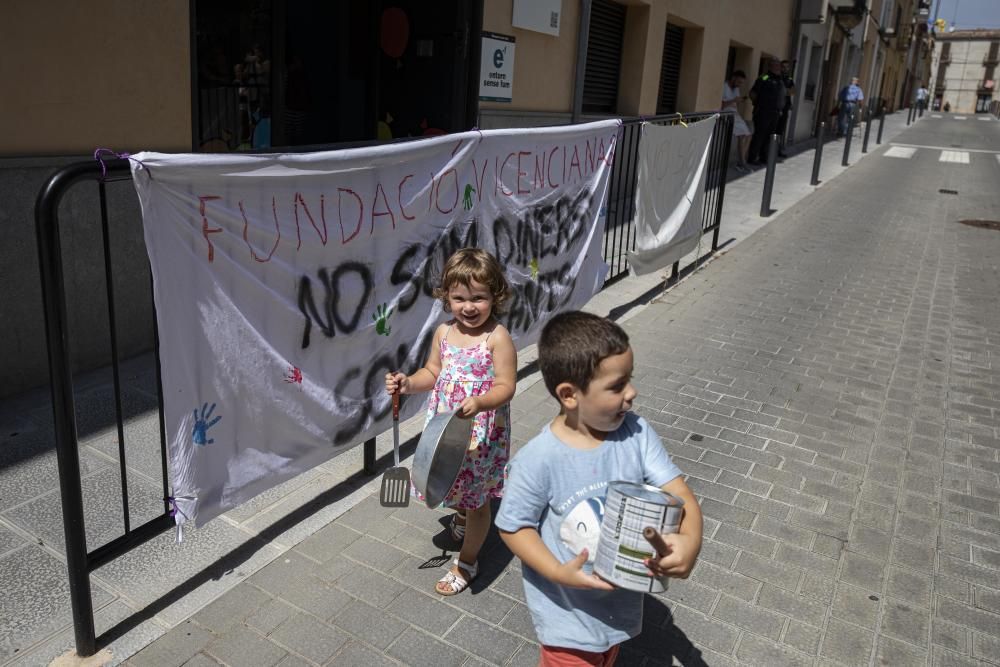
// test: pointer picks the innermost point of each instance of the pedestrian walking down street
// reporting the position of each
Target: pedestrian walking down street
(786, 77)
(472, 367)
(850, 98)
(922, 95)
(768, 96)
(730, 104)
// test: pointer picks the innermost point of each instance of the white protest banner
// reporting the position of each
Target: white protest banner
(670, 193)
(286, 286)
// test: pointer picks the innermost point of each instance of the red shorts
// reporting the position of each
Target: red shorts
(556, 656)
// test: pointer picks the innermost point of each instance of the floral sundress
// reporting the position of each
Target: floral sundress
(468, 371)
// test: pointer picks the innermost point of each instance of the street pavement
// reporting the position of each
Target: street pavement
(826, 382)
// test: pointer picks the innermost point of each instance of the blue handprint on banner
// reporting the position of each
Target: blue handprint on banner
(201, 425)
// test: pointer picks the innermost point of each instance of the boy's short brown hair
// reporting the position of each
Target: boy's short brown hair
(573, 344)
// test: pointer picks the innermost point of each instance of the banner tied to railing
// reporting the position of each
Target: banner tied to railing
(670, 193)
(286, 286)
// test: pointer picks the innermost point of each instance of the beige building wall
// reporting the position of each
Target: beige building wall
(966, 70)
(759, 28)
(101, 73)
(545, 66)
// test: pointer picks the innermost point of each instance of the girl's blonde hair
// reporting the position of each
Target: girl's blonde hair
(470, 265)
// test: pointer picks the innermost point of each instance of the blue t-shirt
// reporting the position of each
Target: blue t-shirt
(560, 491)
(851, 94)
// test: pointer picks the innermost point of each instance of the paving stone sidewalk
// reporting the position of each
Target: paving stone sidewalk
(829, 387)
(832, 415)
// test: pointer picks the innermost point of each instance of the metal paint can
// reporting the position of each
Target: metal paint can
(628, 508)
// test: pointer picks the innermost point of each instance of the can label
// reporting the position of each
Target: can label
(622, 549)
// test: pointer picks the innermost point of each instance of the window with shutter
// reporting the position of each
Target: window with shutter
(604, 55)
(670, 70)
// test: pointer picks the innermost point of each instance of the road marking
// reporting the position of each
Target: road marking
(997, 157)
(961, 157)
(936, 115)
(959, 117)
(944, 148)
(986, 118)
(904, 152)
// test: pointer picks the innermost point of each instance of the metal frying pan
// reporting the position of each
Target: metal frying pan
(440, 454)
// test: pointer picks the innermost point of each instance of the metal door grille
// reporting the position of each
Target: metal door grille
(604, 54)
(670, 70)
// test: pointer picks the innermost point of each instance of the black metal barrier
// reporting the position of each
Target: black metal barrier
(79, 561)
(620, 234)
(772, 161)
(868, 130)
(847, 140)
(818, 154)
(619, 238)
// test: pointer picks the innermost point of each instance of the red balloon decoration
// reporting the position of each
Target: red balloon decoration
(394, 33)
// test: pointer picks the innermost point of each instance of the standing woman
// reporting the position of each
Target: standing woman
(730, 103)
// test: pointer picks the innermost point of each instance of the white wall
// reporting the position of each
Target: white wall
(814, 35)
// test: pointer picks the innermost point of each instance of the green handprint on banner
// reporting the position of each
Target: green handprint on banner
(467, 198)
(381, 318)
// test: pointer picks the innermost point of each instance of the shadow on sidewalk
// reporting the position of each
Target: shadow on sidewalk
(232, 560)
(661, 642)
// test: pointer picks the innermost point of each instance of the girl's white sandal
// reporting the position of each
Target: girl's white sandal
(452, 583)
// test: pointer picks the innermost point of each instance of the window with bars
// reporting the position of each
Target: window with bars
(670, 69)
(991, 55)
(604, 56)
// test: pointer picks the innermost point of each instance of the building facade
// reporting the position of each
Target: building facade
(227, 75)
(884, 43)
(641, 57)
(964, 70)
(250, 75)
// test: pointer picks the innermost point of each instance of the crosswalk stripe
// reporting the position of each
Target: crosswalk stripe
(936, 115)
(942, 148)
(986, 118)
(960, 157)
(959, 117)
(902, 152)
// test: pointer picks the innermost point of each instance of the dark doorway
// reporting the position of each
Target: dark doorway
(670, 68)
(423, 87)
(274, 73)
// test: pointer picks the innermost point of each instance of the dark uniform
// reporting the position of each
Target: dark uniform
(785, 111)
(768, 93)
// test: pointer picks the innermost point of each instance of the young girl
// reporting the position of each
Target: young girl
(472, 367)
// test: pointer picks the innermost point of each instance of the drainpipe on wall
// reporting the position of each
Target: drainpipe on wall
(824, 76)
(875, 48)
(793, 114)
(581, 59)
(907, 100)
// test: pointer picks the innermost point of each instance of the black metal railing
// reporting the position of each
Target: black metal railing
(619, 238)
(619, 232)
(79, 561)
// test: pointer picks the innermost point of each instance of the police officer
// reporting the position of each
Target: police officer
(768, 95)
(786, 76)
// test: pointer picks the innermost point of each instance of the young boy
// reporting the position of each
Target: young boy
(552, 508)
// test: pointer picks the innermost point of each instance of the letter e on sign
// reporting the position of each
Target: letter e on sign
(496, 73)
